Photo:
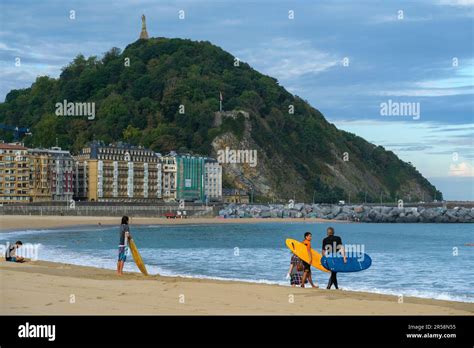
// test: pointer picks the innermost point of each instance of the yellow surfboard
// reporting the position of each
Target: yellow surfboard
(299, 249)
(137, 257)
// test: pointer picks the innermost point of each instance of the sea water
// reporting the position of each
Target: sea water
(422, 260)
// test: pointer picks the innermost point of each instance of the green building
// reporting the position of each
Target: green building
(190, 178)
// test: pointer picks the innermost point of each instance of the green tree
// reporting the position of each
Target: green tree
(132, 135)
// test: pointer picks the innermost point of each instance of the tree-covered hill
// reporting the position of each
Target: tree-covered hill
(163, 94)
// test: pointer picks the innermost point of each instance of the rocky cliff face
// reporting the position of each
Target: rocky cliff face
(259, 178)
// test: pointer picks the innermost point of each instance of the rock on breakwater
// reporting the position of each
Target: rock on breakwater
(360, 213)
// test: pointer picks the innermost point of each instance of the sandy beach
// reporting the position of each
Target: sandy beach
(15, 222)
(46, 288)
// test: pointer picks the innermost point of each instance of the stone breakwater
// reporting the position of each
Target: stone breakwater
(360, 213)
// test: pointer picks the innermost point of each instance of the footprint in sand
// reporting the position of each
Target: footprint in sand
(48, 304)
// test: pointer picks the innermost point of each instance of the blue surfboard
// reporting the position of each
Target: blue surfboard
(336, 263)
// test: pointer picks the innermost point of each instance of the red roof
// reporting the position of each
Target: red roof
(4, 146)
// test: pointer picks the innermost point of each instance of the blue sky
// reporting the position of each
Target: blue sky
(405, 57)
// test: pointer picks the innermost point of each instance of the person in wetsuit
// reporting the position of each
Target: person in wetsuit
(331, 245)
(125, 237)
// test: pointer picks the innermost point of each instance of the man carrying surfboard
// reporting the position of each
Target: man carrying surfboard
(331, 245)
(307, 266)
(125, 237)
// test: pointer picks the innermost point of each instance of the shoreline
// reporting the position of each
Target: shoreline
(15, 222)
(12, 223)
(41, 287)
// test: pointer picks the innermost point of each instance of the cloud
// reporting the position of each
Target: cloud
(288, 59)
(433, 156)
(426, 92)
(230, 22)
(408, 146)
(48, 52)
(23, 76)
(5, 47)
(459, 82)
(461, 169)
(38, 57)
(382, 19)
(437, 128)
(449, 83)
(457, 3)
(464, 153)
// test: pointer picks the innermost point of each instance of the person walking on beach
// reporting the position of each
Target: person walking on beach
(307, 266)
(125, 236)
(332, 245)
(295, 273)
(10, 254)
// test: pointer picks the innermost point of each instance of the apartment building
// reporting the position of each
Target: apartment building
(39, 174)
(61, 174)
(190, 178)
(212, 180)
(14, 174)
(51, 175)
(169, 172)
(117, 172)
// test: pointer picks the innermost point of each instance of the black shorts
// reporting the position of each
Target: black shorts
(306, 267)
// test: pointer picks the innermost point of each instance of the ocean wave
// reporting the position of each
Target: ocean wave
(5, 235)
(415, 293)
(9, 234)
(104, 260)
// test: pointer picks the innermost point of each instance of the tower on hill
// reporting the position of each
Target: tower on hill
(144, 33)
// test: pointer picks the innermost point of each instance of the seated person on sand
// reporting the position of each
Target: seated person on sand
(10, 254)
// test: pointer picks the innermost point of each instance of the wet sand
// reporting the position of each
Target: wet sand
(15, 222)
